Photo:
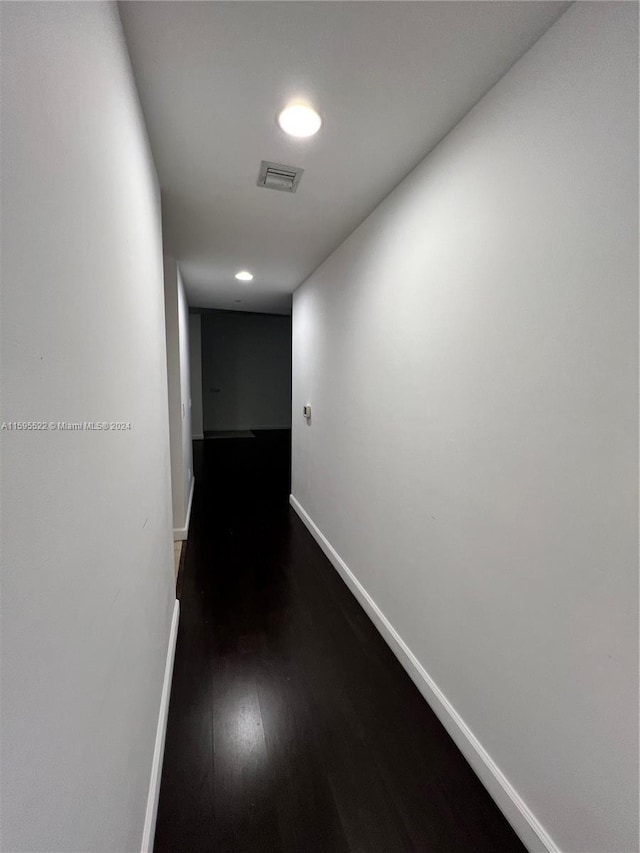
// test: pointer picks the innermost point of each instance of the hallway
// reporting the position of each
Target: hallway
(320, 426)
(292, 727)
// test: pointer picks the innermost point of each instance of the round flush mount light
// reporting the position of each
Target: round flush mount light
(299, 120)
(244, 275)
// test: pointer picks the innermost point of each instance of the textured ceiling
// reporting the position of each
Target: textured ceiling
(390, 79)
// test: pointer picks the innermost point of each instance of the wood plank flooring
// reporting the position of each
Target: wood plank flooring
(292, 727)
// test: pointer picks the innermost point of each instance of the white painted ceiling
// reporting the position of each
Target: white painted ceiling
(390, 79)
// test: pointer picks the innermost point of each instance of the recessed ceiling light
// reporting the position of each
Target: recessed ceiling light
(299, 120)
(244, 275)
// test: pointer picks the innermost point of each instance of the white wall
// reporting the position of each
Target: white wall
(177, 331)
(87, 573)
(470, 353)
(195, 362)
(246, 370)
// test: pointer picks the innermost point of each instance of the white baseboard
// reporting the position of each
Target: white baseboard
(531, 832)
(183, 532)
(161, 730)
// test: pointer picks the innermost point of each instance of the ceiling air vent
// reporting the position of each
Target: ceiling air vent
(274, 176)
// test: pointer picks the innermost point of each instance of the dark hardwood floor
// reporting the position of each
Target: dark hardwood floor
(292, 727)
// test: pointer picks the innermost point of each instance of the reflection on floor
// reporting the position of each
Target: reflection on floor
(292, 727)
